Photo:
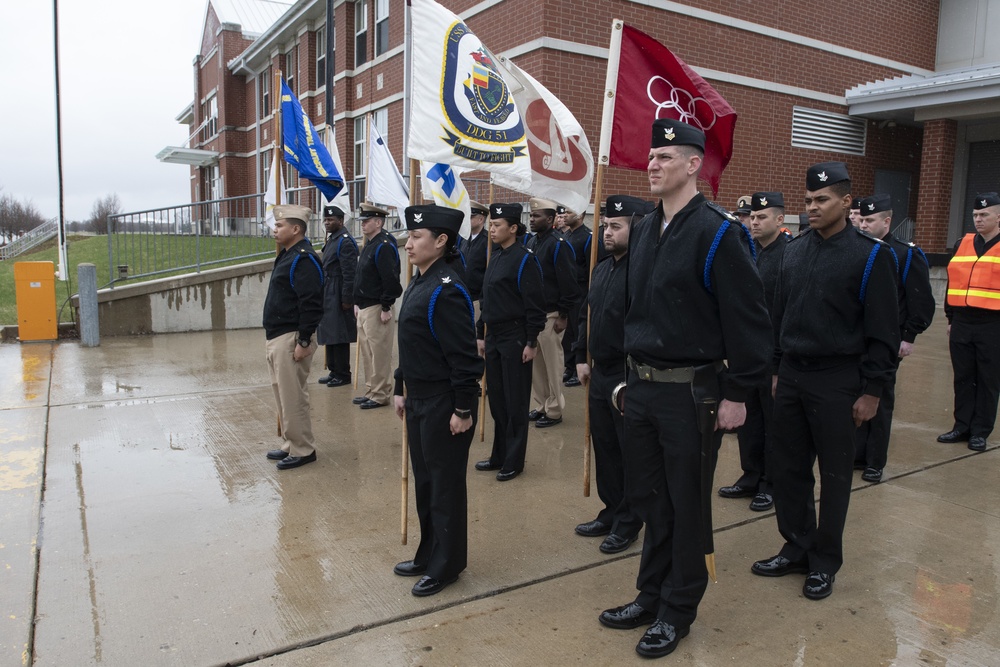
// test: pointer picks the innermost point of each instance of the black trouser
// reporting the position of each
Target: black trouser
(872, 443)
(569, 338)
(813, 418)
(975, 359)
(754, 438)
(663, 482)
(440, 461)
(508, 384)
(338, 360)
(607, 433)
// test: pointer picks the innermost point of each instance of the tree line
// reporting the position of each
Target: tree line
(19, 217)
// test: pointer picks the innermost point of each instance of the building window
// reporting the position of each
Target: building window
(360, 32)
(291, 67)
(381, 117)
(265, 165)
(291, 175)
(826, 131)
(321, 57)
(213, 116)
(381, 27)
(265, 93)
(360, 137)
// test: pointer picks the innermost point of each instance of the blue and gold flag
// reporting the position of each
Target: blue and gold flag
(303, 148)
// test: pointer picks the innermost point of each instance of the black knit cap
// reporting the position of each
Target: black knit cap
(333, 212)
(509, 212)
(669, 132)
(876, 204)
(762, 200)
(432, 216)
(856, 203)
(825, 174)
(985, 200)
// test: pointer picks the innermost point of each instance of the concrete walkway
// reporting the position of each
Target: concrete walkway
(142, 525)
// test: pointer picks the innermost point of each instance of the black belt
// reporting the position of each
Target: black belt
(676, 374)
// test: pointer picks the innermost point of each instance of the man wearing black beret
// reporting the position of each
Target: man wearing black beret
(916, 310)
(767, 215)
(606, 339)
(837, 322)
(694, 300)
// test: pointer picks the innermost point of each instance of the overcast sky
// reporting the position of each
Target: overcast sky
(126, 73)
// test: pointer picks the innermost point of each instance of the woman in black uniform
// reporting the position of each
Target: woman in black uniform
(440, 368)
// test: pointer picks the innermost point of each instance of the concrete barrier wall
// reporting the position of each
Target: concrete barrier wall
(226, 298)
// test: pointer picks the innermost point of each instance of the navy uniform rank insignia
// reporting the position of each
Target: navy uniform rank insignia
(446, 280)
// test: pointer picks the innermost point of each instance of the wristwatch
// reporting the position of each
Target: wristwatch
(304, 342)
(463, 414)
(532, 344)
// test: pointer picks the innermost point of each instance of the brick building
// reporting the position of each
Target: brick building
(912, 109)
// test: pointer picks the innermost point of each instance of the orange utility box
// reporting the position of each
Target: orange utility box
(35, 292)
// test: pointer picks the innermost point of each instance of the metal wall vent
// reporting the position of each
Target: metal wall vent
(825, 131)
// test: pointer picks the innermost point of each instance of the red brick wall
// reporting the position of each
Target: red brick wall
(937, 168)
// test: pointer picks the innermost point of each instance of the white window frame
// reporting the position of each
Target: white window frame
(381, 19)
(360, 30)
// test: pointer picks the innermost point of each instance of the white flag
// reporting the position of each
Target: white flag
(271, 194)
(443, 184)
(461, 111)
(383, 183)
(562, 164)
(343, 198)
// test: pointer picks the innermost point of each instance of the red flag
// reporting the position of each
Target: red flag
(650, 82)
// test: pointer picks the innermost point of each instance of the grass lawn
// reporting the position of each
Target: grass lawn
(153, 253)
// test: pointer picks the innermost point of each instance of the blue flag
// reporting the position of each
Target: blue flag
(303, 148)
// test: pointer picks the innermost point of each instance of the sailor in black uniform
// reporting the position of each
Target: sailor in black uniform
(440, 369)
(837, 321)
(512, 317)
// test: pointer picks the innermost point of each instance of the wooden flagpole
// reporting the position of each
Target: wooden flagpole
(489, 251)
(279, 149)
(594, 240)
(368, 130)
(405, 469)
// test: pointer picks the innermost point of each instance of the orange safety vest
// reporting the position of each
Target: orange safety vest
(974, 281)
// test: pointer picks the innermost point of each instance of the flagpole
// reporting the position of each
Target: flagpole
(405, 465)
(482, 397)
(279, 148)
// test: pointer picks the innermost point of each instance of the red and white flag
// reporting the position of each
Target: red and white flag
(645, 81)
(562, 164)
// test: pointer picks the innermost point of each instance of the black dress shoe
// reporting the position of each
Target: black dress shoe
(778, 566)
(613, 544)
(371, 405)
(409, 569)
(507, 475)
(545, 421)
(953, 436)
(818, 585)
(430, 586)
(325, 379)
(737, 491)
(535, 415)
(572, 382)
(762, 502)
(660, 639)
(295, 461)
(872, 474)
(593, 528)
(977, 443)
(277, 454)
(483, 466)
(626, 617)
(338, 382)
(358, 400)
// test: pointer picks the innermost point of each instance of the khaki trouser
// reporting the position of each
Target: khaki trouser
(375, 340)
(546, 374)
(288, 381)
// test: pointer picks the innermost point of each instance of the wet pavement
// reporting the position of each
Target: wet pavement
(142, 525)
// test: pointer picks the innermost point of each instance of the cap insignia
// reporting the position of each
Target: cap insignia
(763, 201)
(822, 176)
(983, 202)
(668, 132)
(418, 218)
(618, 206)
(871, 207)
(499, 210)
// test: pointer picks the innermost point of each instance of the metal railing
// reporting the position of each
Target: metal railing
(201, 235)
(30, 239)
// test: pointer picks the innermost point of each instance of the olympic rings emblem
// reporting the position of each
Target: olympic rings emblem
(691, 110)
